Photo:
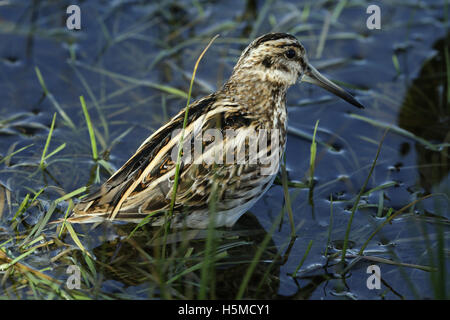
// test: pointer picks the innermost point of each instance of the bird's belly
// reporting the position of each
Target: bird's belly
(229, 209)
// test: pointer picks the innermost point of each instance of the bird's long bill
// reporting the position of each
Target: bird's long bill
(313, 76)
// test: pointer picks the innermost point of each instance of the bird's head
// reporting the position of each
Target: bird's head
(279, 58)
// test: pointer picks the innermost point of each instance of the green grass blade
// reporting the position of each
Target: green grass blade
(71, 194)
(6, 158)
(312, 159)
(21, 207)
(207, 271)
(58, 149)
(330, 228)
(47, 143)
(355, 205)
(180, 144)
(53, 100)
(75, 238)
(294, 274)
(90, 129)
(447, 65)
(248, 274)
(389, 218)
(95, 102)
(287, 198)
(164, 88)
(403, 132)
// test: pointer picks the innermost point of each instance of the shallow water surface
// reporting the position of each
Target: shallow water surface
(133, 61)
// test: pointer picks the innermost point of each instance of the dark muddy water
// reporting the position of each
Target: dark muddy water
(123, 54)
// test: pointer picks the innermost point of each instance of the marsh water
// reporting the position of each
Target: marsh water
(132, 61)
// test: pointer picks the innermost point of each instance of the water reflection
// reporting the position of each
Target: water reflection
(131, 263)
(426, 113)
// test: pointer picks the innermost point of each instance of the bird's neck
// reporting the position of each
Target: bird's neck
(259, 99)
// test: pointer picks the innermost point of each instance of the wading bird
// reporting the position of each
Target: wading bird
(253, 99)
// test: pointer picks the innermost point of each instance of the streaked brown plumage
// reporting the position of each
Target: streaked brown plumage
(252, 99)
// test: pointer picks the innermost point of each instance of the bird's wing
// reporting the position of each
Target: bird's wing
(144, 183)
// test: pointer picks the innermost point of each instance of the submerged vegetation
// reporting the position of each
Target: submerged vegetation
(357, 188)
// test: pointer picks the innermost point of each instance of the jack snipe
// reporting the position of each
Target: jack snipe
(252, 100)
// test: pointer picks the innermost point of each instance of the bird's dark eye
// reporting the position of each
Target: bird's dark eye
(290, 53)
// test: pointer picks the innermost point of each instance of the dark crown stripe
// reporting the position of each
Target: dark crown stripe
(267, 37)
(272, 37)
